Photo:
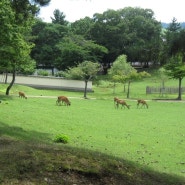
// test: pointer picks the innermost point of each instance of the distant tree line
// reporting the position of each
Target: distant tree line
(166, 25)
(130, 31)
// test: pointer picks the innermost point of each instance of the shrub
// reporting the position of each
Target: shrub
(60, 74)
(61, 138)
(43, 72)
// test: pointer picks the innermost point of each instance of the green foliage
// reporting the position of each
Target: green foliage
(121, 70)
(121, 66)
(61, 138)
(82, 27)
(125, 31)
(176, 67)
(28, 67)
(46, 51)
(173, 42)
(16, 20)
(60, 74)
(86, 71)
(75, 49)
(59, 17)
(43, 72)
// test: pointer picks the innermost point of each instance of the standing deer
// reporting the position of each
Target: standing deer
(142, 102)
(63, 99)
(123, 103)
(22, 95)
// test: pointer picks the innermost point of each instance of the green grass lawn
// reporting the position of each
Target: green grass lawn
(151, 137)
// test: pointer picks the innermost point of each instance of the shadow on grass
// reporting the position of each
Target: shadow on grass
(21, 134)
(26, 162)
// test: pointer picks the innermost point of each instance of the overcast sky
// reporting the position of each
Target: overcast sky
(164, 10)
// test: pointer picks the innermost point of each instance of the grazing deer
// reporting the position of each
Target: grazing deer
(115, 101)
(22, 95)
(63, 99)
(143, 102)
(123, 103)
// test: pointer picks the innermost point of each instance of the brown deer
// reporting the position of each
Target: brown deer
(142, 102)
(63, 99)
(22, 95)
(123, 103)
(115, 101)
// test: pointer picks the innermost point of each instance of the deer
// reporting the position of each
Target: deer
(22, 95)
(123, 103)
(63, 99)
(115, 101)
(143, 102)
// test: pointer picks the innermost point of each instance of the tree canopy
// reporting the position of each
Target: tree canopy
(85, 71)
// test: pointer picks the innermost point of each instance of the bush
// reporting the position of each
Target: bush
(43, 73)
(60, 74)
(61, 138)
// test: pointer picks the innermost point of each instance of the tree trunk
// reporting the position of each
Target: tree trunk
(124, 88)
(128, 92)
(11, 83)
(114, 88)
(85, 90)
(179, 95)
(6, 77)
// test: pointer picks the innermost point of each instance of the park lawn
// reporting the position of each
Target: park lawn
(151, 137)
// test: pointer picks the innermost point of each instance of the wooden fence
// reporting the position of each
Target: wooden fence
(163, 90)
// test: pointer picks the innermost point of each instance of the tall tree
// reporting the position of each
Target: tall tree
(171, 41)
(14, 47)
(46, 37)
(176, 70)
(17, 17)
(59, 17)
(82, 27)
(130, 31)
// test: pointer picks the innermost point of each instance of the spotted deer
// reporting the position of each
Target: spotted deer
(22, 95)
(64, 100)
(142, 102)
(122, 103)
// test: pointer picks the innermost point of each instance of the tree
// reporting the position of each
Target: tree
(163, 77)
(86, 71)
(82, 27)
(46, 38)
(75, 49)
(59, 17)
(16, 17)
(14, 47)
(176, 70)
(123, 72)
(120, 70)
(172, 39)
(132, 31)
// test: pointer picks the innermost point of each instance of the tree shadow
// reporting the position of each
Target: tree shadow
(21, 134)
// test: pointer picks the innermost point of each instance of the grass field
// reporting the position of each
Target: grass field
(153, 137)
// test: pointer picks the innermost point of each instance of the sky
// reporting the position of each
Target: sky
(164, 10)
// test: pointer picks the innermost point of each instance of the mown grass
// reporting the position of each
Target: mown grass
(152, 138)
